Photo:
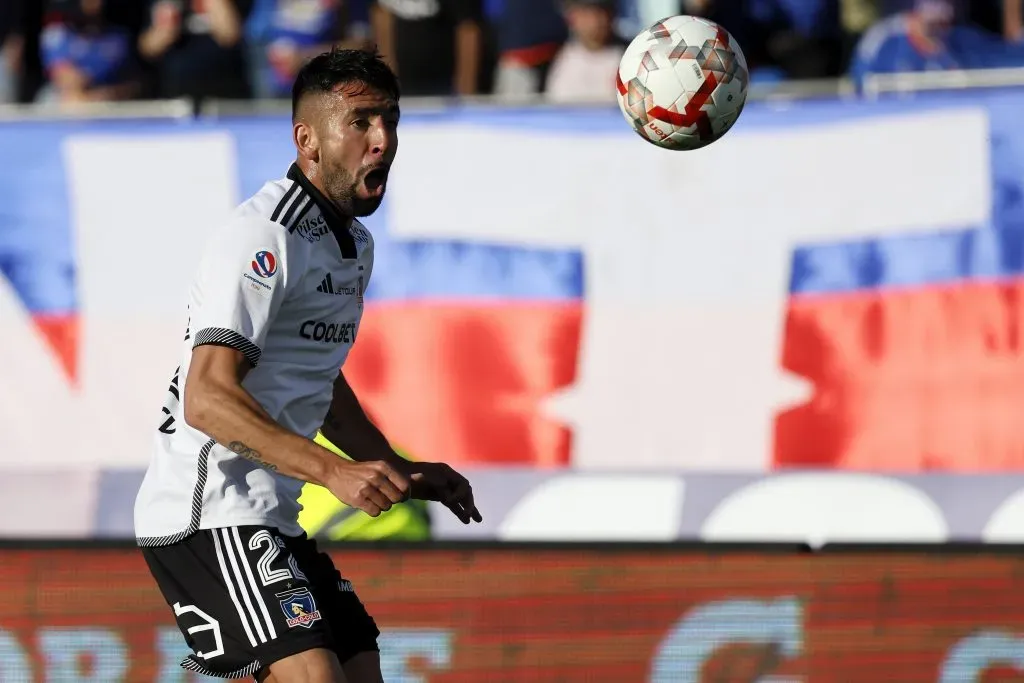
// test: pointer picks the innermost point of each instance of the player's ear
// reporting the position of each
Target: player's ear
(306, 142)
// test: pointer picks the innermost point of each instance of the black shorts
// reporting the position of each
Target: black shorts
(246, 597)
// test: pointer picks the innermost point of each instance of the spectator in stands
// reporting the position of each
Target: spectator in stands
(21, 69)
(10, 51)
(801, 37)
(435, 46)
(198, 47)
(928, 38)
(1013, 20)
(530, 34)
(584, 69)
(294, 31)
(87, 58)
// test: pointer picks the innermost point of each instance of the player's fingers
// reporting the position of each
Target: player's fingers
(458, 505)
(369, 508)
(464, 494)
(469, 502)
(375, 496)
(457, 509)
(389, 490)
(398, 481)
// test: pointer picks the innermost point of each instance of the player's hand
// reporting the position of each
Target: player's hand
(372, 487)
(437, 481)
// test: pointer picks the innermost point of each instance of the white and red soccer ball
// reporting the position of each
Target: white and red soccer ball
(682, 83)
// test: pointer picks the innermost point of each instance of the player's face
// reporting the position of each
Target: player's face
(591, 25)
(358, 142)
(936, 15)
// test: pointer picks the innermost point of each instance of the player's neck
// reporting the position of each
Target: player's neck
(315, 179)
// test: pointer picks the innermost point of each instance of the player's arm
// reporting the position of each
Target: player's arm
(218, 405)
(348, 427)
(244, 277)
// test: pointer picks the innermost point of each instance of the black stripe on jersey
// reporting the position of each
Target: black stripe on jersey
(281, 205)
(308, 203)
(302, 200)
(197, 504)
(219, 336)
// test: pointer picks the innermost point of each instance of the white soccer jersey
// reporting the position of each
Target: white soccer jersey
(283, 283)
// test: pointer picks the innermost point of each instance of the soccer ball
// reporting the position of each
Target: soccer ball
(682, 83)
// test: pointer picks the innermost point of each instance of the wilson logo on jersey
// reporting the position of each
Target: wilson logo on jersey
(264, 264)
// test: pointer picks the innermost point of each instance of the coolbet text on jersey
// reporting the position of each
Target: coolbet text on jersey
(285, 244)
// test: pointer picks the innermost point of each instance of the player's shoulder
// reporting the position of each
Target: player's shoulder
(281, 202)
(271, 215)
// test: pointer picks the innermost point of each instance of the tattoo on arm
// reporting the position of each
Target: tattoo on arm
(251, 454)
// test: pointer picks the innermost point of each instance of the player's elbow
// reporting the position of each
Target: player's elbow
(212, 384)
(199, 407)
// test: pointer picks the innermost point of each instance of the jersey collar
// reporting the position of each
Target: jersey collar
(335, 221)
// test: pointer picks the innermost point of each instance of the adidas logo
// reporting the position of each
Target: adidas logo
(327, 285)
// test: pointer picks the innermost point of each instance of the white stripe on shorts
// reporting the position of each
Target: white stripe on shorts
(229, 582)
(252, 583)
(239, 581)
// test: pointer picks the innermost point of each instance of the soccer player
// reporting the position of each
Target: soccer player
(273, 312)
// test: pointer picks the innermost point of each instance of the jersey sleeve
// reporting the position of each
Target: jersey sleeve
(244, 275)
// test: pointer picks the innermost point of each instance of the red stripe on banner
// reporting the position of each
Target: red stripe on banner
(465, 382)
(61, 333)
(917, 380)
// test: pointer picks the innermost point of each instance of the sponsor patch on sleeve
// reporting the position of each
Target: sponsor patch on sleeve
(264, 264)
(262, 269)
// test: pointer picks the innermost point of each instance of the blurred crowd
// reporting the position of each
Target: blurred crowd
(65, 51)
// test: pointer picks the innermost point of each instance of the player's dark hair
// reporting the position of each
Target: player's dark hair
(326, 71)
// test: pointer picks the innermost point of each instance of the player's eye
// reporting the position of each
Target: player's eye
(362, 124)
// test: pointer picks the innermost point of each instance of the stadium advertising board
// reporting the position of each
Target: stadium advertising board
(547, 616)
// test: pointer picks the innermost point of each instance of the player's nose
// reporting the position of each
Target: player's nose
(381, 141)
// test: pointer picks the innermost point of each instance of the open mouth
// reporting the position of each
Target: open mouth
(375, 179)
